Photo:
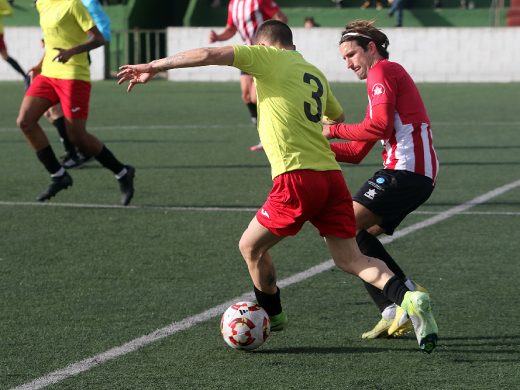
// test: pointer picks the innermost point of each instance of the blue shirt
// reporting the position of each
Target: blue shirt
(100, 17)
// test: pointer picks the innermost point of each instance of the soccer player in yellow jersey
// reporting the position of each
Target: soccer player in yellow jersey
(69, 33)
(6, 10)
(308, 185)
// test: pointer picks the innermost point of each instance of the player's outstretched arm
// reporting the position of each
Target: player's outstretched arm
(142, 73)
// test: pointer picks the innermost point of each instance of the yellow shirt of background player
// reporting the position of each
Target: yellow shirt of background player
(293, 96)
(64, 24)
(5, 10)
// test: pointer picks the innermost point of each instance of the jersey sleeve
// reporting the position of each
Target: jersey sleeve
(269, 8)
(333, 108)
(351, 152)
(82, 16)
(255, 60)
(381, 86)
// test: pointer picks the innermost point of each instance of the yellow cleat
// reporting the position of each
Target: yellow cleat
(401, 323)
(418, 307)
(380, 330)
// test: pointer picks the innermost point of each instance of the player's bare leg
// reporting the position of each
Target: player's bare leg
(254, 247)
(394, 320)
(31, 110)
(90, 145)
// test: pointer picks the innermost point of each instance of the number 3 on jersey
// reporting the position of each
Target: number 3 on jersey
(308, 78)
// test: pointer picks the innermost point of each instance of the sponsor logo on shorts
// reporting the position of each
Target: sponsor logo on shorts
(75, 109)
(265, 213)
(370, 194)
(376, 186)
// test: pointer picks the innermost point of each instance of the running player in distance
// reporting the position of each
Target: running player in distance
(69, 33)
(308, 184)
(397, 117)
(73, 158)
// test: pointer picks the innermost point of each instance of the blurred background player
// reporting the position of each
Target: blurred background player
(6, 10)
(69, 33)
(395, 115)
(245, 16)
(73, 158)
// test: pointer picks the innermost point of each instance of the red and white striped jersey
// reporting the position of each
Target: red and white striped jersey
(410, 146)
(247, 15)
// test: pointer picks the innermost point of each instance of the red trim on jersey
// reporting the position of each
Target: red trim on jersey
(391, 158)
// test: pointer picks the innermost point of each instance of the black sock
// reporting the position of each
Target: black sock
(395, 289)
(252, 110)
(371, 246)
(16, 66)
(62, 131)
(109, 161)
(270, 302)
(49, 160)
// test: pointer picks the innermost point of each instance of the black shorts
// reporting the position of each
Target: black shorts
(393, 194)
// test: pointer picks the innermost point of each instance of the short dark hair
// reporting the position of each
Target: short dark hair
(274, 31)
(364, 32)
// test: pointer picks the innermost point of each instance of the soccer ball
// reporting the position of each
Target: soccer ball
(245, 325)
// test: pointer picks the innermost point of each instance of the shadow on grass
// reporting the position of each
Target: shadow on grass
(331, 350)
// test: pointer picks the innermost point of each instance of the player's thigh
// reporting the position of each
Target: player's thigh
(257, 239)
(365, 218)
(31, 110)
(344, 251)
(53, 113)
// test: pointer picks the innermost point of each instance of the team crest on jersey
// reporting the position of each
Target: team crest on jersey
(378, 89)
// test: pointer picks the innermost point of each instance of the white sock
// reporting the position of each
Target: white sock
(410, 284)
(121, 174)
(61, 172)
(389, 312)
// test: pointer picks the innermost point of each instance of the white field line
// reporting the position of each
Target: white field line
(208, 209)
(187, 323)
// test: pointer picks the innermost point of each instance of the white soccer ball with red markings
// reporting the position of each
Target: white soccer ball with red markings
(245, 325)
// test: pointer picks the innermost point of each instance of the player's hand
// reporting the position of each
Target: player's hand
(64, 55)
(135, 74)
(34, 71)
(326, 131)
(212, 36)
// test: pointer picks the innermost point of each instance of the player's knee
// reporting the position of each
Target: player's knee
(248, 250)
(24, 123)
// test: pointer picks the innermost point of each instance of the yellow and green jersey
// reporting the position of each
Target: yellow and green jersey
(293, 96)
(64, 24)
(5, 10)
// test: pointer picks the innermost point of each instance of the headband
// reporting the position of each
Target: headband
(355, 34)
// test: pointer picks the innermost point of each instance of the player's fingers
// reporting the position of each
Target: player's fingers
(131, 85)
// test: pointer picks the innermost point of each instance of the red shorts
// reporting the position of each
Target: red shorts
(321, 197)
(2, 43)
(74, 95)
